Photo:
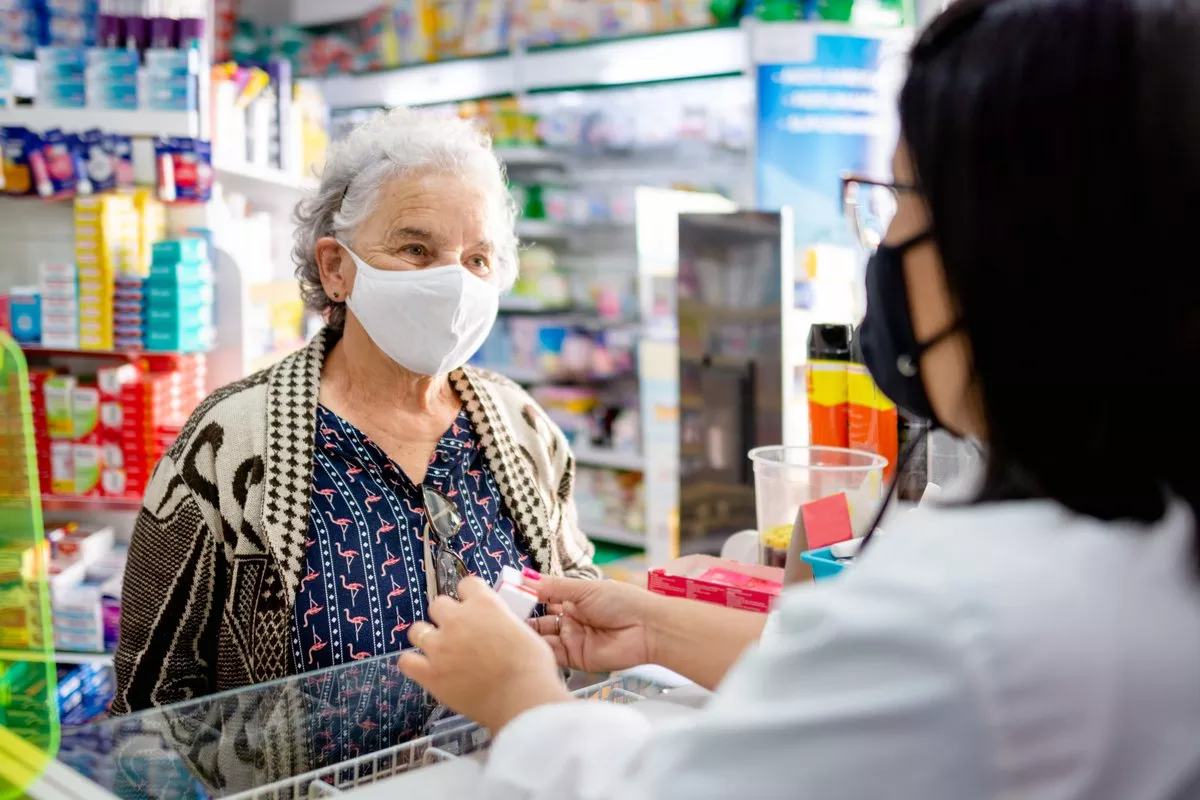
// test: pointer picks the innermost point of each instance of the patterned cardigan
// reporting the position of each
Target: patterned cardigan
(217, 551)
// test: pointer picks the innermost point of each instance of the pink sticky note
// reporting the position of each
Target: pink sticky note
(827, 521)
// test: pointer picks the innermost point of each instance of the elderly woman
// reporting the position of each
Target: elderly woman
(308, 514)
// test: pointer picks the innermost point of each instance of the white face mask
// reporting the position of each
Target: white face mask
(429, 321)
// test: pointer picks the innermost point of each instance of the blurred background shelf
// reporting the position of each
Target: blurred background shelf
(58, 657)
(138, 123)
(668, 56)
(614, 534)
(59, 502)
(587, 456)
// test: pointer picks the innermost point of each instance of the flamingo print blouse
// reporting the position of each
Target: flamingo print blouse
(364, 576)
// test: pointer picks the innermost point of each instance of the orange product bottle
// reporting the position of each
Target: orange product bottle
(873, 425)
(828, 386)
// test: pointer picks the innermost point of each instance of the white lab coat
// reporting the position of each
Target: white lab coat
(1004, 651)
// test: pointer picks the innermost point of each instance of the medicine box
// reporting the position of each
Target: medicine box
(62, 467)
(176, 251)
(85, 411)
(749, 587)
(58, 392)
(25, 309)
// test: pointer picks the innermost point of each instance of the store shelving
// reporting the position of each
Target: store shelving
(38, 350)
(608, 459)
(59, 657)
(263, 178)
(128, 123)
(528, 157)
(542, 229)
(668, 56)
(614, 535)
(60, 502)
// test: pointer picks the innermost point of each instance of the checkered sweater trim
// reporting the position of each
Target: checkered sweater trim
(217, 552)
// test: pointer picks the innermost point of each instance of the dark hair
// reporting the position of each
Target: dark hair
(1057, 143)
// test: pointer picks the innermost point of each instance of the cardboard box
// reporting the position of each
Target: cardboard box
(749, 587)
(57, 392)
(62, 467)
(25, 312)
(88, 465)
(85, 411)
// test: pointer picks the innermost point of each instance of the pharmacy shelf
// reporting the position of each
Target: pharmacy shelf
(128, 355)
(524, 157)
(61, 502)
(128, 123)
(675, 55)
(609, 459)
(614, 535)
(59, 657)
(263, 178)
(529, 305)
(542, 229)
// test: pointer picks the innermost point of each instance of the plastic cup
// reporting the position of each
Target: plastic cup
(786, 478)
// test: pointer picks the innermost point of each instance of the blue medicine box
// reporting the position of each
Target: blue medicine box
(25, 311)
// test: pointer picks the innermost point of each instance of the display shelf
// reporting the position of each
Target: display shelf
(542, 229)
(608, 459)
(62, 502)
(263, 178)
(38, 350)
(614, 534)
(520, 157)
(59, 657)
(530, 305)
(668, 56)
(128, 123)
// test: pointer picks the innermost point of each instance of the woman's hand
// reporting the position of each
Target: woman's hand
(481, 660)
(604, 625)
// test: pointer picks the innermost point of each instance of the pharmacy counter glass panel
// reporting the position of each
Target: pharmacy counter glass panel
(309, 735)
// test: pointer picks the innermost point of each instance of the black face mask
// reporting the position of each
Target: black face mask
(890, 349)
(892, 353)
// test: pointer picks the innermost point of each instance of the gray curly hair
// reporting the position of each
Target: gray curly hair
(402, 142)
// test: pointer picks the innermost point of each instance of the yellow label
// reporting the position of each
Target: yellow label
(827, 385)
(864, 392)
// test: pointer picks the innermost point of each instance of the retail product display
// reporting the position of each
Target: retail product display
(28, 24)
(611, 501)
(122, 292)
(417, 31)
(878, 12)
(99, 433)
(56, 165)
(264, 119)
(84, 569)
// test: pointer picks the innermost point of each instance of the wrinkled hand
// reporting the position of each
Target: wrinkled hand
(480, 660)
(603, 625)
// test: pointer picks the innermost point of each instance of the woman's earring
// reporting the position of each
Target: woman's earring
(336, 295)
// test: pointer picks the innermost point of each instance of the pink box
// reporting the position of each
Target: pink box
(749, 587)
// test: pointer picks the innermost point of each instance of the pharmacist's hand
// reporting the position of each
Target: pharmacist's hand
(603, 625)
(480, 660)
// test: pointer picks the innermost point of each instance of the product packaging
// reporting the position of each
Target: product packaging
(55, 166)
(60, 421)
(18, 144)
(185, 172)
(25, 312)
(749, 587)
(828, 386)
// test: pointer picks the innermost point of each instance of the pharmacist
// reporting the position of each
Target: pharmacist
(1042, 638)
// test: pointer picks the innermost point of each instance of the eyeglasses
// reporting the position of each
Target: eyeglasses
(442, 562)
(870, 206)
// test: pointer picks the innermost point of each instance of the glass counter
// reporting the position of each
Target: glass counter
(306, 736)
